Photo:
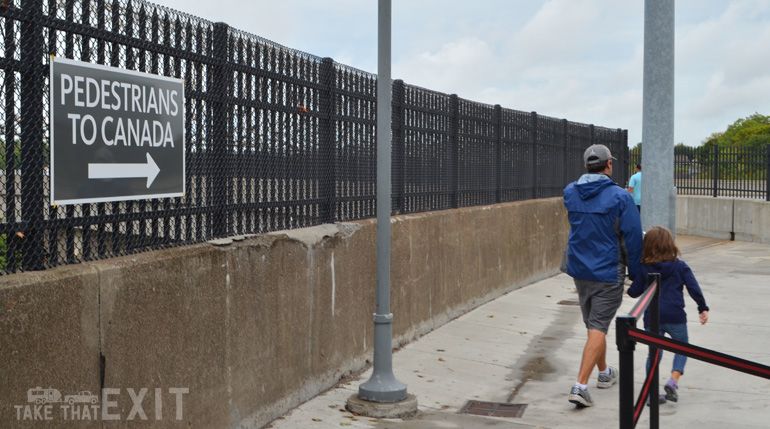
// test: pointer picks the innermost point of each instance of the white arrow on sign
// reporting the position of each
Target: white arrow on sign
(149, 170)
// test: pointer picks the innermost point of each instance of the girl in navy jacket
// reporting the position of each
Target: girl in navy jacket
(660, 255)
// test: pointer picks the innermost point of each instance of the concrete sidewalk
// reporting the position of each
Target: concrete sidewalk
(525, 348)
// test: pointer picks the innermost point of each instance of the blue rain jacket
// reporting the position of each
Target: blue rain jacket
(605, 229)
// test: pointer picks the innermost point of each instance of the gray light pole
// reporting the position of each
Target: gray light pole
(383, 385)
(658, 192)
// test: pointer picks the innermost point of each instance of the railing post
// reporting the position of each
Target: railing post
(626, 348)
(454, 108)
(32, 92)
(716, 169)
(327, 141)
(498, 153)
(654, 278)
(535, 171)
(218, 85)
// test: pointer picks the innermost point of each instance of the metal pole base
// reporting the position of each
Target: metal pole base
(383, 387)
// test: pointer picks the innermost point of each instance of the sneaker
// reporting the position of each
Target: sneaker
(661, 400)
(671, 391)
(607, 380)
(580, 397)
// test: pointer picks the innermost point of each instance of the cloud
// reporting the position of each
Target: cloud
(555, 35)
(456, 66)
(722, 69)
(555, 62)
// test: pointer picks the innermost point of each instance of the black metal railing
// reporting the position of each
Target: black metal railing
(627, 335)
(275, 138)
(719, 172)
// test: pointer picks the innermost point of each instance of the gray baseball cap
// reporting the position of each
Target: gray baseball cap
(596, 154)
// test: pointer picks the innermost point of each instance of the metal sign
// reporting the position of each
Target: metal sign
(115, 134)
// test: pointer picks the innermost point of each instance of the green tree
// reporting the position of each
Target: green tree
(752, 132)
(16, 155)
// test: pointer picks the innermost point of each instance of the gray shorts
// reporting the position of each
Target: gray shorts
(599, 302)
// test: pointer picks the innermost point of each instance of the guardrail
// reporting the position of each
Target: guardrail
(627, 335)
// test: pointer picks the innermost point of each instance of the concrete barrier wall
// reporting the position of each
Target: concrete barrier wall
(704, 216)
(752, 220)
(723, 218)
(238, 332)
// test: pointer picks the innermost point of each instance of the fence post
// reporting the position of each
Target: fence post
(498, 153)
(398, 146)
(327, 141)
(535, 172)
(767, 174)
(716, 169)
(10, 87)
(454, 108)
(626, 348)
(626, 158)
(565, 153)
(218, 85)
(32, 92)
(88, 234)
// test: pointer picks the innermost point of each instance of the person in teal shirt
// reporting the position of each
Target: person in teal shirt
(635, 187)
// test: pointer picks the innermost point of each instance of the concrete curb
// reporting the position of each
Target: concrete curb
(395, 410)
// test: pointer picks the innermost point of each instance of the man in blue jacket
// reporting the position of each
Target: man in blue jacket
(605, 238)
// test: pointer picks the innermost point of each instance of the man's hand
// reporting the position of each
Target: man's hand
(704, 317)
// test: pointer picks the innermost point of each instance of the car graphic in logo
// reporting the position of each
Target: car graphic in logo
(39, 396)
(83, 397)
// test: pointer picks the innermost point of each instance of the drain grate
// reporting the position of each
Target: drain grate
(493, 409)
(567, 302)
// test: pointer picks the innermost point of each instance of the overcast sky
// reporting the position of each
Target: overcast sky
(576, 59)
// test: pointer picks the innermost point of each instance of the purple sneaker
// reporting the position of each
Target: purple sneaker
(661, 400)
(671, 391)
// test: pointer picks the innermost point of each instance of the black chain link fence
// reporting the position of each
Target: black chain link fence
(275, 138)
(735, 172)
